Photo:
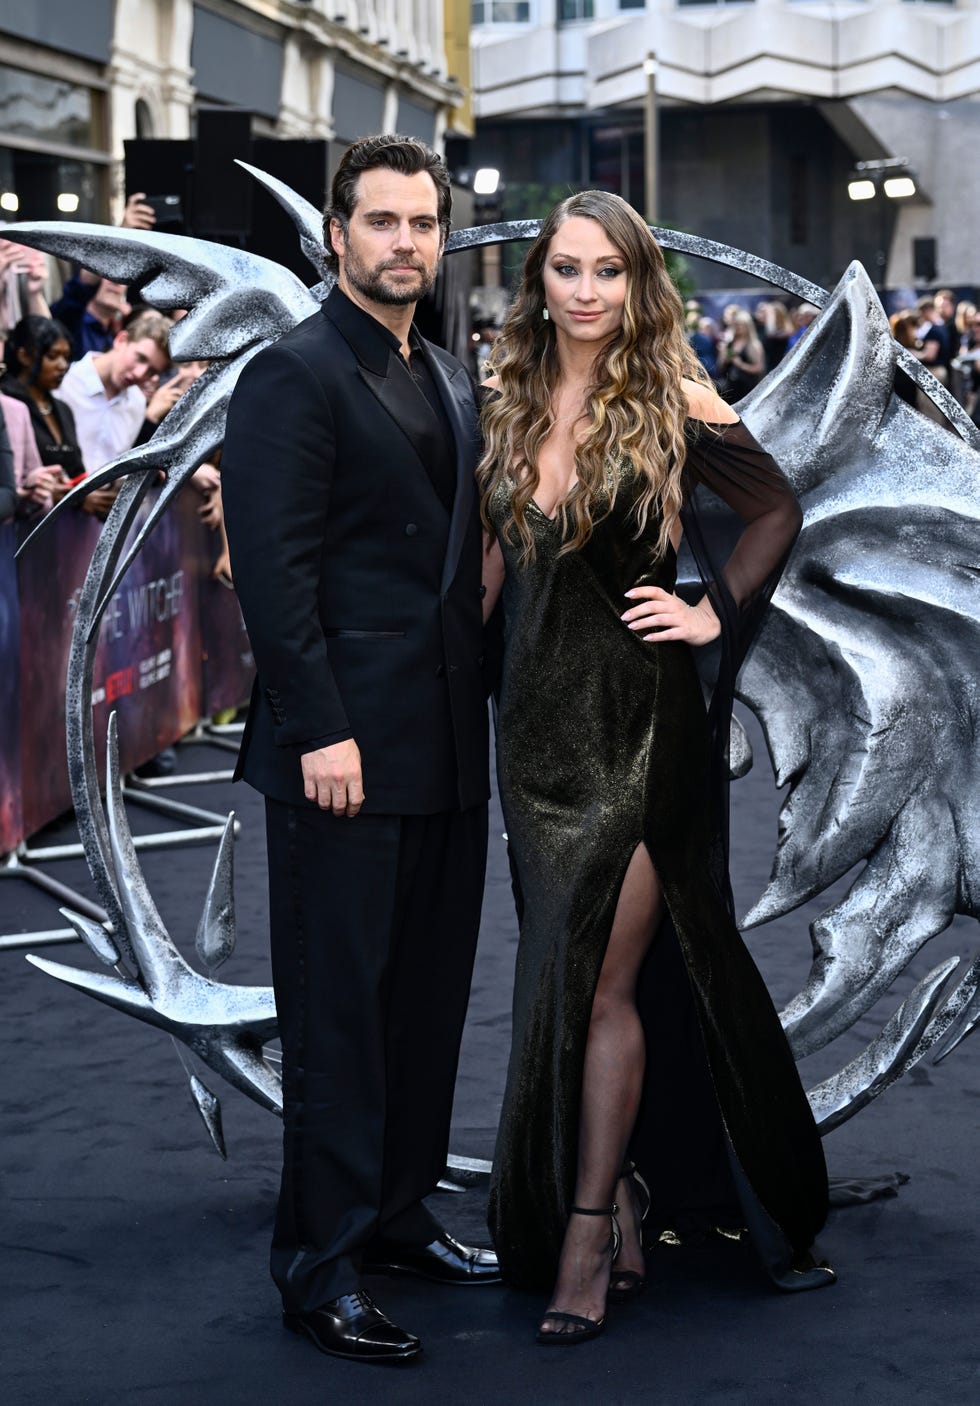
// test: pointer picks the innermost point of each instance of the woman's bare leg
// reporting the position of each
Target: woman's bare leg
(611, 1086)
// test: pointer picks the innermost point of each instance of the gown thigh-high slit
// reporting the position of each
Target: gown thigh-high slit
(604, 746)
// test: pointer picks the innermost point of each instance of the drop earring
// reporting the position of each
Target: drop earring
(545, 314)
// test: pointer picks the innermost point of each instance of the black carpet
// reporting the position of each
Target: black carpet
(134, 1260)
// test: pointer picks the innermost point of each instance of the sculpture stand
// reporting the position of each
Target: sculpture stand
(19, 865)
(206, 825)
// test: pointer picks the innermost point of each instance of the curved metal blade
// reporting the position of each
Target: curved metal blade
(306, 217)
(899, 1046)
(215, 940)
(94, 936)
(159, 961)
(963, 1011)
(234, 298)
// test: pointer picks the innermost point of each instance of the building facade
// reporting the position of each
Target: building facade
(764, 108)
(79, 79)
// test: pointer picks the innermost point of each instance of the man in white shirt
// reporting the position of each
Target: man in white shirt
(104, 389)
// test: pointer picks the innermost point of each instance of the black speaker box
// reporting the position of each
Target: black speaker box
(303, 165)
(222, 190)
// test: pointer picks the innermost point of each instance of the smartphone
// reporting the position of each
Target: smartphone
(169, 209)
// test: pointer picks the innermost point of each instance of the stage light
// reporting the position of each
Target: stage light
(486, 181)
(67, 202)
(861, 190)
(899, 187)
(9, 201)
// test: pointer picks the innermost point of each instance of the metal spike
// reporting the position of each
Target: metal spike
(95, 935)
(306, 217)
(209, 1107)
(215, 939)
(963, 1012)
(899, 1046)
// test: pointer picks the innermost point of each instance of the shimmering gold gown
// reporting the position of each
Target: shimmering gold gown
(604, 743)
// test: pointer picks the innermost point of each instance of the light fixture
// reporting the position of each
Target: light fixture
(649, 65)
(899, 187)
(861, 190)
(486, 181)
(9, 202)
(67, 202)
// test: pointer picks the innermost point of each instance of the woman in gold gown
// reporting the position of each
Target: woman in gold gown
(646, 1050)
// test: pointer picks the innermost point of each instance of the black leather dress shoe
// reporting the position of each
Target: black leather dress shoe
(445, 1261)
(353, 1326)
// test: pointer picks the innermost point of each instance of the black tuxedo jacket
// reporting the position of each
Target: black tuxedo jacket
(360, 592)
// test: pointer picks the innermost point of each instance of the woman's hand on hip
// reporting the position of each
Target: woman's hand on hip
(332, 777)
(667, 617)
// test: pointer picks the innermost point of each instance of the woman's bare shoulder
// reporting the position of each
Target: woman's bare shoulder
(492, 383)
(704, 403)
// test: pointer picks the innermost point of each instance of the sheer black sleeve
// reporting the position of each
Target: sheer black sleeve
(740, 519)
(729, 462)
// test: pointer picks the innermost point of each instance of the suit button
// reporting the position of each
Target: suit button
(410, 529)
(439, 671)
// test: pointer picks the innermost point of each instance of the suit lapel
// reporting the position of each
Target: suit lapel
(389, 382)
(457, 397)
(408, 408)
(393, 389)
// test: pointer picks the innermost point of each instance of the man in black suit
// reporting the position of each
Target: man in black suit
(352, 517)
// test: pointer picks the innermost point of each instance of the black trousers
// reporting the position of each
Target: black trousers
(374, 923)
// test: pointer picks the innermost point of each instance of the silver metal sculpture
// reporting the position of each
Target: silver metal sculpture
(880, 599)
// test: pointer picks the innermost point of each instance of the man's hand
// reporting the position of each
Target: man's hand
(206, 479)
(332, 777)
(210, 511)
(137, 214)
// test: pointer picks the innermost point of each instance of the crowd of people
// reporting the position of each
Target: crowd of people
(940, 332)
(944, 335)
(87, 375)
(740, 349)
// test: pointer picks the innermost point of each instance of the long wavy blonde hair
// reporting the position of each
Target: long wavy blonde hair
(635, 404)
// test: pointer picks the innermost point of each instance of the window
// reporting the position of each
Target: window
(53, 155)
(632, 4)
(47, 109)
(571, 10)
(504, 11)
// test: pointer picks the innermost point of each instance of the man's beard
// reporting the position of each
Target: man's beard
(369, 281)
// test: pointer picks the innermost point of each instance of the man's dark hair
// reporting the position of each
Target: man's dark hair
(406, 155)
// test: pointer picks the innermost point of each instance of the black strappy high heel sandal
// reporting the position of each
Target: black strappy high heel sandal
(630, 1281)
(583, 1329)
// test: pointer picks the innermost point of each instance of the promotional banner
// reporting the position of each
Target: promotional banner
(226, 655)
(228, 664)
(172, 649)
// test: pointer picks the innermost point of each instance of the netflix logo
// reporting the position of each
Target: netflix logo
(118, 684)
